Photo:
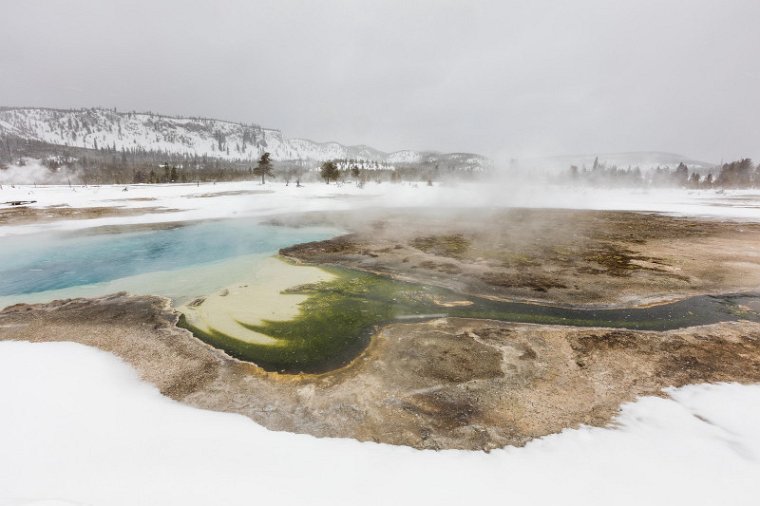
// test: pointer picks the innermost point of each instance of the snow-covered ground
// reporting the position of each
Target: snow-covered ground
(196, 202)
(79, 427)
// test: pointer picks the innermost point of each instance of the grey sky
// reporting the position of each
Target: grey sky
(507, 79)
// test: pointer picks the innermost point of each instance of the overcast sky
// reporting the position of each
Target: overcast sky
(506, 79)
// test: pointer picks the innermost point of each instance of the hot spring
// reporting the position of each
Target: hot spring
(234, 293)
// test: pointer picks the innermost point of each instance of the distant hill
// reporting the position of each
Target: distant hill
(132, 132)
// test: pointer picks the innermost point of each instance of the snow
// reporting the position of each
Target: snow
(404, 157)
(79, 427)
(189, 201)
(104, 128)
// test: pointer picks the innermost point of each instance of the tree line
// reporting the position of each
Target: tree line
(741, 173)
(109, 166)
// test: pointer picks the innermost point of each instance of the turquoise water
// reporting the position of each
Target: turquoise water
(55, 263)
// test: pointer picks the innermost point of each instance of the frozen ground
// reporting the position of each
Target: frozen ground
(79, 427)
(206, 201)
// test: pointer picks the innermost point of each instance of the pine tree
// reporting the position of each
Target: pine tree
(681, 174)
(264, 168)
(329, 171)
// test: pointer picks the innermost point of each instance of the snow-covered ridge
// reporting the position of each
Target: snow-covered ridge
(98, 128)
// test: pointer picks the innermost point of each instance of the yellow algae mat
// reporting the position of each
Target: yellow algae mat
(258, 299)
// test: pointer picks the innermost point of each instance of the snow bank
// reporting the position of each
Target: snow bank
(78, 427)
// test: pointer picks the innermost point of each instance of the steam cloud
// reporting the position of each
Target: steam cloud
(32, 171)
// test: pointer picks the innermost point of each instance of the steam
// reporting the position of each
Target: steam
(33, 171)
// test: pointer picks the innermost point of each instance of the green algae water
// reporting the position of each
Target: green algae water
(338, 317)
